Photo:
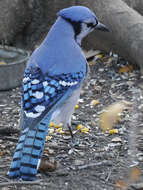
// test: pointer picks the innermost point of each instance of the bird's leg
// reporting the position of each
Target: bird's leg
(70, 130)
(75, 142)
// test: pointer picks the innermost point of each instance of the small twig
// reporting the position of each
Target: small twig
(58, 147)
(4, 178)
(9, 138)
(3, 166)
(8, 130)
(20, 183)
(109, 174)
(133, 131)
(94, 164)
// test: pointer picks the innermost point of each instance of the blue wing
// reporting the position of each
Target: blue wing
(40, 94)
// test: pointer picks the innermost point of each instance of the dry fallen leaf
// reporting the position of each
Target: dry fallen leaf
(47, 165)
(134, 174)
(111, 114)
(126, 69)
(121, 184)
(2, 63)
(2, 153)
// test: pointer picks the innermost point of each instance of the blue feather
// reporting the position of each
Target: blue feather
(29, 151)
(55, 53)
(31, 142)
(77, 13)
(54, 74)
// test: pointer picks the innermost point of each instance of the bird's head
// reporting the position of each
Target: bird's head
(83, 21)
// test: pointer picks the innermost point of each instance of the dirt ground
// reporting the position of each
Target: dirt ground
(101, 159)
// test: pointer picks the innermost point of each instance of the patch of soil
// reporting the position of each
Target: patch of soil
(99, 160)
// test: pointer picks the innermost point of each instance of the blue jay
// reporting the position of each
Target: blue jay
(51, 86)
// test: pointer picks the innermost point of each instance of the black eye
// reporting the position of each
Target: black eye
(91, 25)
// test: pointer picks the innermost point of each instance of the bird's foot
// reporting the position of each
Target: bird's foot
(75, 141)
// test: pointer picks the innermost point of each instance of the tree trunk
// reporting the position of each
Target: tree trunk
(14, 16)
(126, 30)
(135, 4)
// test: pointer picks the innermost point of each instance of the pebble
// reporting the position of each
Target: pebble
(116, 139)
(51, 151)
(140, 156)
(101, 70)
(111, 146)
(79, 162)
(141, 107)
(66, 137)
(102, 80)
(81, 153)
(80, 100)
(70, 151)
(3, 105)
(74, 117)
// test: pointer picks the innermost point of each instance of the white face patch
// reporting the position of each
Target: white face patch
(38, 94)
(84, 31)
(35, 81)
(32, 115)
(39, 108)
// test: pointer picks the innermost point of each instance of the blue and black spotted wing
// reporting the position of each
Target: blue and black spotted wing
(40, 94)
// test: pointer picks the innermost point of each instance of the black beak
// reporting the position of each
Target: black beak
(101, 27)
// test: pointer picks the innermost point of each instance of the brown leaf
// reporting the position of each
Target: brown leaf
(126, 69)
(121, 184)
(2, 153)
(47, 165)
(135, 173)
(111, 114)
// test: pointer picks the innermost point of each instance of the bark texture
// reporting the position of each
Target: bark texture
(14, 16)
(25, 24)
(126, 26)
(135, 4)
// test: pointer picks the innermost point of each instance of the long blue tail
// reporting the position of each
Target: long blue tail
(29, 151)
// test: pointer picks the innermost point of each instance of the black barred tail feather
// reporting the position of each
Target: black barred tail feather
(28, 152)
